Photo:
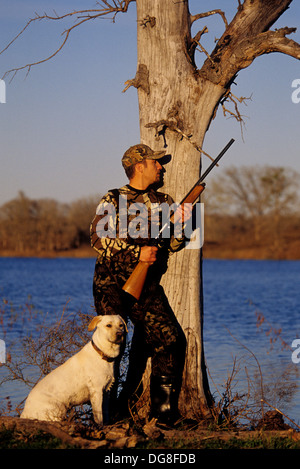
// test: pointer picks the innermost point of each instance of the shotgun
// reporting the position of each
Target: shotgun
(135, 282)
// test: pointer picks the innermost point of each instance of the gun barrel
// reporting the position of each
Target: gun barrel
(216, 160)
(213, 164)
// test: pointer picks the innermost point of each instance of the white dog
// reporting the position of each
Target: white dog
(82, 378)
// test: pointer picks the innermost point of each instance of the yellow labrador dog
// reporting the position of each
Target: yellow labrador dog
(82, 378)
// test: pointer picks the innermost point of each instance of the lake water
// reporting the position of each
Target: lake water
(234, 292)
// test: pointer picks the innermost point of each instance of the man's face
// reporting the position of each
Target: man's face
(152, 170)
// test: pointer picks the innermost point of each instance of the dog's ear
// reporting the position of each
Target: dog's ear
(125, 325)
(94, 322)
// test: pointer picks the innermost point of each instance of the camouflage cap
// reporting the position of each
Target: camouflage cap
(139, 153)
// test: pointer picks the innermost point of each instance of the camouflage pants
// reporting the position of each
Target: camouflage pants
(157, 333)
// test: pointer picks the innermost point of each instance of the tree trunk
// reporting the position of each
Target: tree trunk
(174, 103)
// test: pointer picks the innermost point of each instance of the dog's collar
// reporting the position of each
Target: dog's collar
(102, 354)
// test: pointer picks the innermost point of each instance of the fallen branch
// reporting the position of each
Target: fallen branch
(27, 426)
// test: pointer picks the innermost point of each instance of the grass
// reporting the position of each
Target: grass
(234, 443)
(11, 439)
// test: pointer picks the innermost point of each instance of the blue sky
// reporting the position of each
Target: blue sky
(65, 127)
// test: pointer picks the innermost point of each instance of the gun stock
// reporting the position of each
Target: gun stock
(135, 283)
(190, 198)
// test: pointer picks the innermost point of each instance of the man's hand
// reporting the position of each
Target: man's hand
(183, 213)
(148, 254)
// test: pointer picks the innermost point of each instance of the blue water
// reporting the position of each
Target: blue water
(234, 291)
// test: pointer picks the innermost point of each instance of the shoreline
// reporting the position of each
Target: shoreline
(210, 251)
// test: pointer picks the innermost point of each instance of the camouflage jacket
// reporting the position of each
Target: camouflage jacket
(127, 219)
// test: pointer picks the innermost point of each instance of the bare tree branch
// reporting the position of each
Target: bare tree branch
(106, 7)
(264, 43)
(209, 13)
(275, 41)
(247, 37)
(196, 40)
(236, 113)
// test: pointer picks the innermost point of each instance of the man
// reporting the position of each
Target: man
(157, 333)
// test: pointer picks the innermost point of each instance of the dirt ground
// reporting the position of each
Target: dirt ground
(271, 433)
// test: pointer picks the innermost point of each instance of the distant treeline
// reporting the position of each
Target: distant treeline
(253, 212)
(41, 226)
(246, 209)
